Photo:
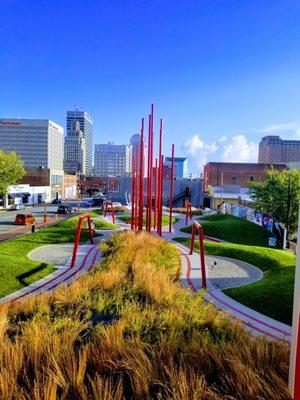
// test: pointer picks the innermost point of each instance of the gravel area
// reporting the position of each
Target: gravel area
(225, 273)
(55, 254)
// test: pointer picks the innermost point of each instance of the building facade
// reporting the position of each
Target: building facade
(38, 142)
(75, 150)
(180, 166)
(226, 173)
(274, 150)
(135, 141)
(86, 127)
(113, 159)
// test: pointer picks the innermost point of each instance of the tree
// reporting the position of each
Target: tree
(11, 170)
(278, 195)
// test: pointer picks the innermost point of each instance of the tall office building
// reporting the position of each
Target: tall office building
(180, 166)
(273, 149)
(135, 140)
(75, 150)
(113, 159)
(38, 142)
(86, 126)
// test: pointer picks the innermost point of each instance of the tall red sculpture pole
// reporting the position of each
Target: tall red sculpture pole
(132, 193)
(160, 168)
(155, 195)
(171, 190)
(136, 187)
(148, 174)
(151, 168)
(161, 193)
(142, 163)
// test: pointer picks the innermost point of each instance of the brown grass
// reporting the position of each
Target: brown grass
(165, 344)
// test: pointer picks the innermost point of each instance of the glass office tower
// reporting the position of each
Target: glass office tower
(86, 126)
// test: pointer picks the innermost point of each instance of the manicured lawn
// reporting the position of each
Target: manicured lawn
(17, 270)
(165, 219)
(233, 229)
(273, 295)
(101, 223)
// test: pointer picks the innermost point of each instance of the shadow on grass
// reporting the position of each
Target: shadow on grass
(21, 278)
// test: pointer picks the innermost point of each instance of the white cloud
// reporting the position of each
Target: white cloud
(288, 130)
(229, 149)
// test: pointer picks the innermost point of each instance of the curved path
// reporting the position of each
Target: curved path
(222, 272)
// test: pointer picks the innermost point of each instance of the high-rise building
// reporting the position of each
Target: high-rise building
(38, 142)
(113, 159)
(274, 150)
(135, 141)
(86, 126)
(75, 150)
(180, 166)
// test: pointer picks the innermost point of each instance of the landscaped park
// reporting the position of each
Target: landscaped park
(128, 327)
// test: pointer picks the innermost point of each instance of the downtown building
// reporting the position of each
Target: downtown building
(274, 150)
(86, 127)
(180, 166)
(113, 159)
(75, 150)
(40, 145)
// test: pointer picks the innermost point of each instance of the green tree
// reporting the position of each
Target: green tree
(11, 170)
(279, 195)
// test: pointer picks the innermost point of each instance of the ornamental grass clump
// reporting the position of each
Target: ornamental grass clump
(161, 342)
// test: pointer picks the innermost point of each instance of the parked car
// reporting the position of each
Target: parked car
(56, 201)
(64, 209)
(20, 206)
(24, 219)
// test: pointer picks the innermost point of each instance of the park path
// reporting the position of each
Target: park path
(228, 273)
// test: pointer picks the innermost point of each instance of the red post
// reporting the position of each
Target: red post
(161, 193)
(160, 168)
(136, 188)
(112, 213)
(142, 163)
(151, 166)
(132, 193)
(155, 195)
(188, 215)
(171, 190)
(148, 174)
(198, 228)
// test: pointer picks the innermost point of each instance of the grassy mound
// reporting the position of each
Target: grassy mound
(17, 270)
(160, 342)
(272, 295)
(233, 230)
(165, 219)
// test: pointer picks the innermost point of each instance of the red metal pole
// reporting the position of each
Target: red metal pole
(142, 163)
(151, 166)
(77, 238)
(90, 228)
(112, 213)
(155, 195)
(161, 193)
(159, 176)
(171, 190)
(136, 188)
(148, 174)
(202, 259)
(192, 240)
(132, 193)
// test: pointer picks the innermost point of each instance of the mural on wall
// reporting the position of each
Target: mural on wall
(251, 215)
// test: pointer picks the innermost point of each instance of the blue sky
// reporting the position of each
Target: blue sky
(221, 73)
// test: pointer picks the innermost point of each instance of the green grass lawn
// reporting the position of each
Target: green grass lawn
(272, 295)
(165, 219)
(101, 223)
(17, 270)
(233, 229)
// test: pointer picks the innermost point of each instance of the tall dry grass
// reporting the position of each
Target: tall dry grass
(165, 344)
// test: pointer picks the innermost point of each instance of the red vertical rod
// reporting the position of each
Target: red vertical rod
(155, 195)
(148, 174)
(112, 212)
(160, 167)
(171, 190)
(77, 238)
(202, 259)
(192, 240)
(142, 163)
(136, 188)
(151, 168)
(132, 193)
(161, 193)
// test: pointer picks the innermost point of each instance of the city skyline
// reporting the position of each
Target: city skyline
(224, 74)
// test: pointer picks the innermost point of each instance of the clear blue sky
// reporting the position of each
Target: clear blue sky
(213, 68)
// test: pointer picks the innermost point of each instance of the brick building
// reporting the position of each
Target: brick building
(273, 149)
(235, 173)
